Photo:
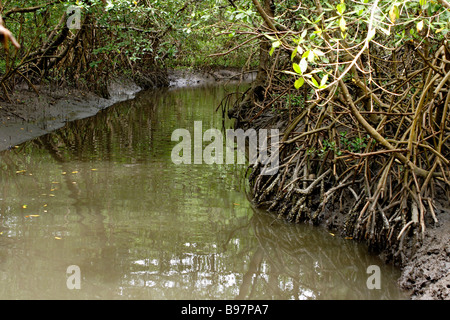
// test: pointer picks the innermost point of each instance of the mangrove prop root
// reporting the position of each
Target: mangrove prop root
(374, 157)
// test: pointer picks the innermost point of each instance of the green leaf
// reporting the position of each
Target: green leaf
(341, 8)
(315, 83)
(342, 24)
(275, 45)
(294, 54)
(299, 83)
(297, 68)
(270, 37)
(271, 51)
(305, 54)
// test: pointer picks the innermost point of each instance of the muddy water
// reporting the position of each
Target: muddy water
(102, 194)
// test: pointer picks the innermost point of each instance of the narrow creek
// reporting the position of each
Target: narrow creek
(103, 194)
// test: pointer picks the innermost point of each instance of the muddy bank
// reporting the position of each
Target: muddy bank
(427, 274)
(32, 114)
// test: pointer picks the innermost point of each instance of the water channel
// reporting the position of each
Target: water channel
(103, 194)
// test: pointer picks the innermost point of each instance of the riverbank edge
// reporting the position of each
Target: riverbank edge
(31, 114)
(424, 276)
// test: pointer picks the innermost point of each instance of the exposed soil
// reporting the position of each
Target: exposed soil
(30, 114)
(426, 273)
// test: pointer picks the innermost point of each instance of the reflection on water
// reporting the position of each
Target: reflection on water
(103, 194)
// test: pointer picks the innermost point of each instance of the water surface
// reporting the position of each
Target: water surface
(103, 194)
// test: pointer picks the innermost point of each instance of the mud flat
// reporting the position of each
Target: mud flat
(427, 274)
(30, 114)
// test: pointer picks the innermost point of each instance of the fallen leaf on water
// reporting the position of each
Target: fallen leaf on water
(332, 234)
(24, 206)
(94, 169)
(58, 238)
(21, 171)
(236, 204)
(348, 238)
(34, 215)
(75, 171)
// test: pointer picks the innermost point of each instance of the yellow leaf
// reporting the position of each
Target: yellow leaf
(24, 206)
(332, 234)
(392, 14)
(342, 24)
(75, 171)
(34, 215)
(58, 238)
